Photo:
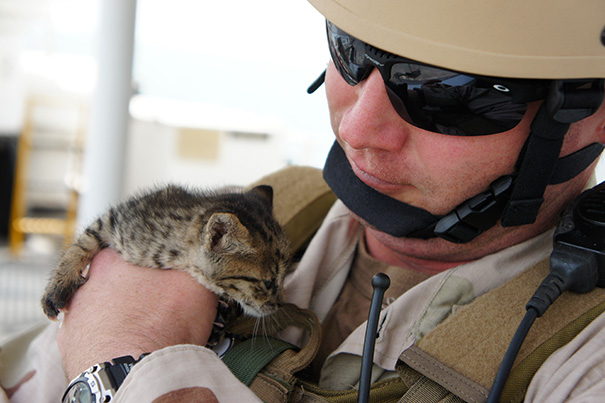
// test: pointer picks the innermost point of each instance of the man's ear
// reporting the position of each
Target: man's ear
(592, 127)
(601, 129)
(600, 122)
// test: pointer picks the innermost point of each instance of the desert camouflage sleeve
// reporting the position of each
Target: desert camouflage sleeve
(30, 371)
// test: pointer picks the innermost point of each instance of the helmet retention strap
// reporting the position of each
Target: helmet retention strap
(568, 101)
(537, 167)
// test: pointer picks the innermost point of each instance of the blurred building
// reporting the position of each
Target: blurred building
(211, 105)
(99, 98)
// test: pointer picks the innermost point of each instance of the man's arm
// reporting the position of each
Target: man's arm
(128, 310)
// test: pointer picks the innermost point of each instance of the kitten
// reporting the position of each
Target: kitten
(229, 241)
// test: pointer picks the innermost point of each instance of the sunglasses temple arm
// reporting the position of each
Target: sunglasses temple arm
(317, 83)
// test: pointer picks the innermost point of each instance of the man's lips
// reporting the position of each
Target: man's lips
(381, 185)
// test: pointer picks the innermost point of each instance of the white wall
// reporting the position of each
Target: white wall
(194, 144)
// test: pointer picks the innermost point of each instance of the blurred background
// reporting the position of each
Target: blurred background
(101, 98)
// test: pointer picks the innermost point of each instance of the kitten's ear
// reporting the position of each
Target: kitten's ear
(264, 191)
(224, 233)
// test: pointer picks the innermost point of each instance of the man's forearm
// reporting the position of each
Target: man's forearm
(127, 310)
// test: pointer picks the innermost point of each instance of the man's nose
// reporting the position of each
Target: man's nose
(371, 121)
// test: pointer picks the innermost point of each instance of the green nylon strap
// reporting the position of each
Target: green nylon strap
(248, 358)
(385, 391)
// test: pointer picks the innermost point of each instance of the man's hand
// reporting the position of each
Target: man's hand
(128, 310)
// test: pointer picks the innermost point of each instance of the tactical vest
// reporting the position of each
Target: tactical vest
(452, 363)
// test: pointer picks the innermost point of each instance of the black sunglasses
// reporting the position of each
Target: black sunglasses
(434, 99)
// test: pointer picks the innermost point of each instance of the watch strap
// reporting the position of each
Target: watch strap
(102, 380)
(119, 368)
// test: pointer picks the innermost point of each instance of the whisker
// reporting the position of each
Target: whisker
(273, 321)
(264, 330)
(272, 325)
(266, 334)
(255, 332)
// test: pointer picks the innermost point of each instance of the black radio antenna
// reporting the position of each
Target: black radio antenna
(380, 282)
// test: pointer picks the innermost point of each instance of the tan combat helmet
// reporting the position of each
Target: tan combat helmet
(551, 39)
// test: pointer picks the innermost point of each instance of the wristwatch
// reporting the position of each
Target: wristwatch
(99, 383)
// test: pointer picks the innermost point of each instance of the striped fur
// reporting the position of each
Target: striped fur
(227, 239)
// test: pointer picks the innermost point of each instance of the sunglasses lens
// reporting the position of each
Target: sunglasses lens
(451, 103)
(348, 54)
(430, 98)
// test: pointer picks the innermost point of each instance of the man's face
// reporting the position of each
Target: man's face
(437, 172)
(432, 171)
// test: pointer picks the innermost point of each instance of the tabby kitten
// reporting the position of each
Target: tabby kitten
(227, 240)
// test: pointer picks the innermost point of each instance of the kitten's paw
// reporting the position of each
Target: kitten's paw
(53, 301)
(50, 309)
(64, 283)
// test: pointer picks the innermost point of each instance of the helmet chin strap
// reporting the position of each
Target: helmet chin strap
(379, 210)
(461, 225)
(513, 199)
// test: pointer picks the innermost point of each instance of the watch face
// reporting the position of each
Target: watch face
(79, 392)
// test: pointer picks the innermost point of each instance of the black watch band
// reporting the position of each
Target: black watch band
(120, 367)
(100, 382)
